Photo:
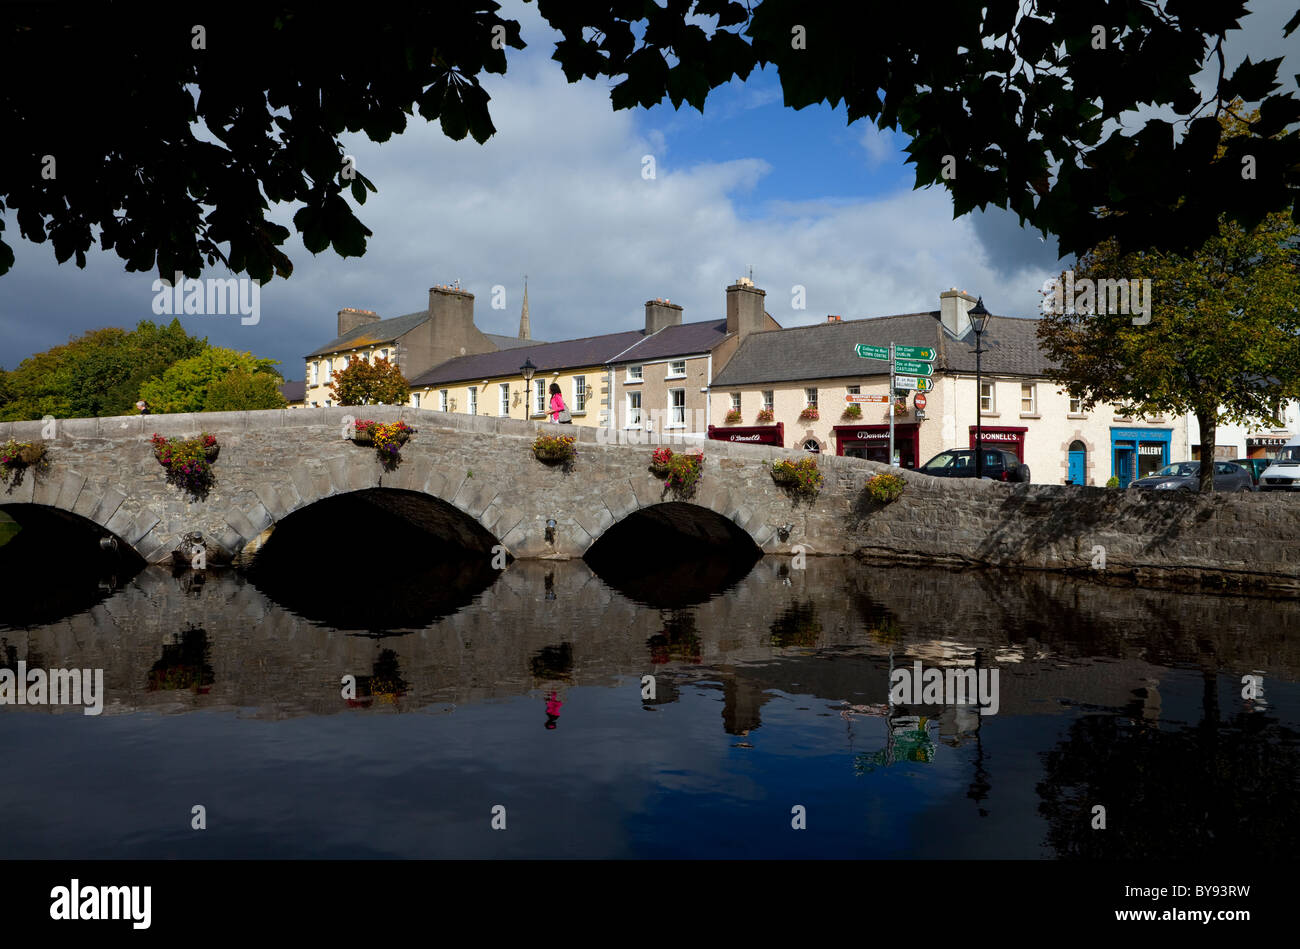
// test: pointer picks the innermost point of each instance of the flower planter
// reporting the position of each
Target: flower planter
(784, 475)
(363, 438)
(555, 449)
(211, 452)
(16, 457)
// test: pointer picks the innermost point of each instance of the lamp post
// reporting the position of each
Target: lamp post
(978, 320)
(527, 370)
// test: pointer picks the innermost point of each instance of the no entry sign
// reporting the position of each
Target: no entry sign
(919, 401)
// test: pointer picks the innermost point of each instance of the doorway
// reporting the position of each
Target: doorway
(1077, 472)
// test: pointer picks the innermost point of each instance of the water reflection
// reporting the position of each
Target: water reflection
(771, 691)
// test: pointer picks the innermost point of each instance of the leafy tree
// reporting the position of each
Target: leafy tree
(1007, 102)
(185, 386)
(240, 390)
(1223, 340)
(365, 383)
(97, 373)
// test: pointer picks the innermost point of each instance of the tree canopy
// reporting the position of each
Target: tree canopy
(362, 382)
(199, 384)
(200, 127)
(98, 373)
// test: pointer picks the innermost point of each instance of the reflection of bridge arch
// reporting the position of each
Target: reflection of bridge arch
(696, 522)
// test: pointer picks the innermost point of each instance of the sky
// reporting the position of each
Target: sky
(560, 194)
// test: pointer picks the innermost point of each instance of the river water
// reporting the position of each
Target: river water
(523, 699)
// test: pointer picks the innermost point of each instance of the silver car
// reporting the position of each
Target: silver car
(1186, 476)
(1284, 473)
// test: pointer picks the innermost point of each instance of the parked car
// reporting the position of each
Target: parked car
(1186, 476)
(999, 465)
(1284, 473)
(1255, 466)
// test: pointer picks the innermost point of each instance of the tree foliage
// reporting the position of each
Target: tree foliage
(240, 391)
(1011, 103)
(370, 383)
(1223, 342)
(97, 373)
(188, 385)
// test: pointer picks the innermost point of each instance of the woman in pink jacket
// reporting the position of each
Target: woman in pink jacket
(557, 405)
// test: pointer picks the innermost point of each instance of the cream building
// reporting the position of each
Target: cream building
(1020, 410)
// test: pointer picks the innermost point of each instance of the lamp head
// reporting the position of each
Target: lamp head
(527, 369)
(979, 317)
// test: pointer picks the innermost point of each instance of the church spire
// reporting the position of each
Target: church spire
(525, 331)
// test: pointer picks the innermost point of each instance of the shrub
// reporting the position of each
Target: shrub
(802, 476)
(387, 439)
(1113, 482)
(884, 487)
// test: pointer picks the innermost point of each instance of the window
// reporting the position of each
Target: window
(415, 399)
(812, 446)
(633, 409)
(735, 401)
(325, 370)
(383, 354)
(677, 368)
(473, 400)
(1076, 405)
(768, 400)
(442, 400)
(328, 403)
(315, 369)
(855, 390)
(812, 397)
(634, 374)
(986, 397)
(1028, 398)
(505, 398)
(539, 390)
(579, 393)
(677, 407)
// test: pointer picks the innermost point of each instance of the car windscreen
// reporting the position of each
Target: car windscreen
(1180, 469)
(946, 459)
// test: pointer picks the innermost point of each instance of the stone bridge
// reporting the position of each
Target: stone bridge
(473, 481)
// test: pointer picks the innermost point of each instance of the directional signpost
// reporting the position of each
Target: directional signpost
(913, 368)
(916, 361)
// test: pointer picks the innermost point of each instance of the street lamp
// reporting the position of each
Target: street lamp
(978, 320)
(527, 369)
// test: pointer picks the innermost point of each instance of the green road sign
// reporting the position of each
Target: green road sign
(914, 368)
(915, 352)
(872, 352)
(920, 384)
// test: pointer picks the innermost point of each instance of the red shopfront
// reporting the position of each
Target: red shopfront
(1009, 438)
(751, 435)
(872, 442)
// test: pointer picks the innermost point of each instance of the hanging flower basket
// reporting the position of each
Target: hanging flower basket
(802, 476)
(188, 462)
(555, 449)
(15, 457)
(363, 432)
(884, 487)
(681, 472)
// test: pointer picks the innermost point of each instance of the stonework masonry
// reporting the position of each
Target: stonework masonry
(273, 463)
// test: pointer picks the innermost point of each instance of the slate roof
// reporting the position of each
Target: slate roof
(294, 391)
(368, 334)
(628, 346)
(511, 342)
(685, 339)
(826, 350)
(547, 357)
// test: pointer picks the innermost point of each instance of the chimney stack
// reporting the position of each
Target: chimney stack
(954, 304)
(745, 313)
(660, 313)
(350, 318)
(834, 319)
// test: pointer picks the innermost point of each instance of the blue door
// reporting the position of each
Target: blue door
(1124, 465)
(1076, 473)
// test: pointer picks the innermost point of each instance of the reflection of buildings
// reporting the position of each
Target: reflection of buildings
(184, 664)
(384, 683)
